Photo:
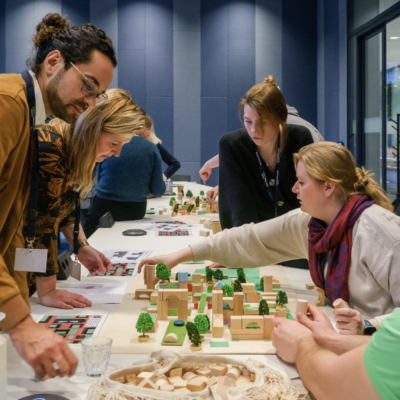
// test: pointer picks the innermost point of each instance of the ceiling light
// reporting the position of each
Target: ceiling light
(394, 37)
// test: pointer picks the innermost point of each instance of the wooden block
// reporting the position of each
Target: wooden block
(183, 310)
(204, 372)
(145, 375)
(321, 297)
(281, 314)
(253, 297)
(202, 378)
(182, 390)
(340, 303)
(216, 227)
(217, 305)
(185, 296)
(236, 322)
(171, 338)
(302, 306)
(218, 326)
(208, 209)
(139, 292)
(238, 303)
(233, 373)
(270, 293)
(182, 285)
(172, 293)
(268, 327)
(246, 373)
(180, 384)
(212, 381)
(204, 233)
(162, 310)
(196, 385)
(189, 375)
(179, 196)
(165, 210)
(249, 287)
(173, 379)
(173, 214)
(310, 286)
(160, 212)
(219, 370)
(252, 378)
(267, 283)
(130, 377)
(175, 372)
(147, 383)
(202, 220)
(247, 319)
(161, 382)
(154, 297)
(167, 388)
(121, 379)
(243, 380)
(196, 278)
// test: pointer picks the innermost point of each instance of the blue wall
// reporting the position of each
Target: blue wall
(188, 63)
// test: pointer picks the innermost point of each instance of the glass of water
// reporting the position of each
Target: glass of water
(96, 353)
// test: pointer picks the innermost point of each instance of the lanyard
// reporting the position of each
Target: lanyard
(33, 194)
(264, 176)
(76, 224)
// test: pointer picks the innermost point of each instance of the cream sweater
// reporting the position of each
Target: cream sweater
(374, 279)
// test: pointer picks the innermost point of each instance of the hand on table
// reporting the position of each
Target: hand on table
(56, 298)
(349, 321)
(287, 336)
(40, 348)
(205, 174)
(212, 194)
(93, 260)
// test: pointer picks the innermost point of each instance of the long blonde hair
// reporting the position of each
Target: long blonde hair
(119, 115)
(149, 125)
(268, 101)
(328, 161)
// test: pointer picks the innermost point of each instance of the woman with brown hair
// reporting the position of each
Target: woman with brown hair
(256, 163)
(67, 156)
(345, 227)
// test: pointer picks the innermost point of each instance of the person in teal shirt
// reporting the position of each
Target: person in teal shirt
(334, 366)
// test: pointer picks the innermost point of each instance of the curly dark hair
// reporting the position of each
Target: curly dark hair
(75, 43)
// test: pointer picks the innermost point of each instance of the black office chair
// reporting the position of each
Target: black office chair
(180, 178)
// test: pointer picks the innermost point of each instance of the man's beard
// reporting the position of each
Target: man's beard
(58, 107)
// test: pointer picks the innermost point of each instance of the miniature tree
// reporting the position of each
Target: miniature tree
(262, 284)
(176, 208)
(185, 203)
(171, 201)
(201, 323)
(263, 308)
(208, 322)
(209, 274)
(281, 298)
(197, 201)
(144, 323)
(190, 208)
(218, 275)
(241, 275)
(202, 193)
(189, 193)
(237, 287)
(193, 333)
(162, 272)
(227, 291)
(183, 193)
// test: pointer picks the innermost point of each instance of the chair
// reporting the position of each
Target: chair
(181, 178)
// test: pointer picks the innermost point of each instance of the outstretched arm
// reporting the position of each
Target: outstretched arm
(206, 169)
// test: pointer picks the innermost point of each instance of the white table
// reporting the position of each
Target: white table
(21, 381)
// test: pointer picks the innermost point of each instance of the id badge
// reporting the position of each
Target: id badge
(31, 260)
(76, 270)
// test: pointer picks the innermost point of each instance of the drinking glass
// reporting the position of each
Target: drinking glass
(96, 353)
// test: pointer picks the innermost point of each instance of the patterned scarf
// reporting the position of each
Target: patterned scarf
(337, 238)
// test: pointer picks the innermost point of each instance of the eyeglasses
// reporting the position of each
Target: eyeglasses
(90, 88)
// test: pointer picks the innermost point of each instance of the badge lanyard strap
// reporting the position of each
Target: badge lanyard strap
(264, 176)
(76, 224)
(33, 194)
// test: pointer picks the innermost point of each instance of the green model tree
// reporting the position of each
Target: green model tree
(197, 201)
(281, 298)
(209, 274)
(171, 201)
(237, 287)
(185, 203)
(190, 208)
(176, 208)
(227, 291)
(144, 323)
(202, 193)
(202, 323)
(218, 275)
(183, 193)
(193, 333)
(189, 193)
(162, 272)
(208, 322)
(262, 284)
(263, 308)
(241, 275)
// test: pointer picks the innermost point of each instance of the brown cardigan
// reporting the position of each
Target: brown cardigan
(15, 176)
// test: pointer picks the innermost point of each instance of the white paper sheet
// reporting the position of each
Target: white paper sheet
(100, 293)
(126, 256)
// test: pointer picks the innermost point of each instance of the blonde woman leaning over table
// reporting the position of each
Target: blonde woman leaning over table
(343, 213)
(67, 156)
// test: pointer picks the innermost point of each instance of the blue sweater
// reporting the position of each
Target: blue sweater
(134, 175)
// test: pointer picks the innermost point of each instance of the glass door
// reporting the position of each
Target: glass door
(392, 103)
(372, 126)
